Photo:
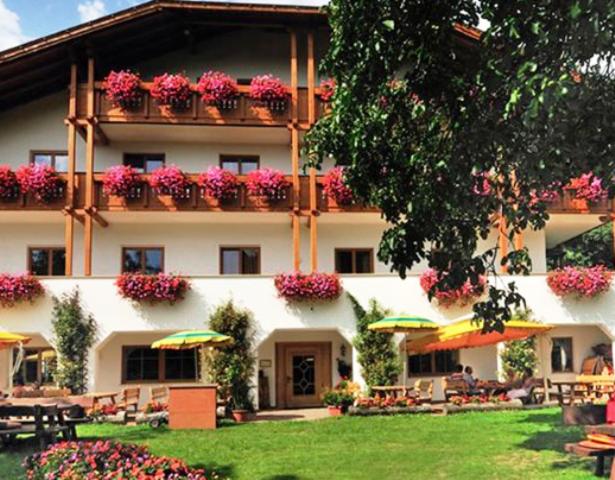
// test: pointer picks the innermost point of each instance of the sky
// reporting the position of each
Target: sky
(24, 20)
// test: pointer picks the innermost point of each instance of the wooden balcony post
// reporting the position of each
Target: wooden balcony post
(311, 120)
(69, 220)
(294, 78)
(294, 140)
(89, 172)
(311, 74)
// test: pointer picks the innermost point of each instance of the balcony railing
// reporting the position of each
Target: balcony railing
(241, 111)
(568, 204)
(27, 202)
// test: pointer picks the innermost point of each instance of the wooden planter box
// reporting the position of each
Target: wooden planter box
(583, 414)
(193, 407)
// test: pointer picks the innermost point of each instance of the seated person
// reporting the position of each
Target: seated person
(458, 373)
(468, 378)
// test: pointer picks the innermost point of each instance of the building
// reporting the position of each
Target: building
(54, 111)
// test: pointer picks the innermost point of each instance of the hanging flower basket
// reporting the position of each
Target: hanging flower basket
(172, 91)
(218, 89)
(16, 289)
(308, 287)
(462, 296)
(580, 282)
(122, 181)
(587, 189)
(171, 181)
(41, 181)
(123, 89)
(270, 92)
(9, 186)
(327, 89)
(153, 289)
(219, 184)
(268, 183)
(334, 187)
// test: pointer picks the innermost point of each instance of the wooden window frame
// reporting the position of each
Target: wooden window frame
(163, 155)
(49, 250)
(354, 251)
(571, 370)
(433, 372)
(142, 248)
(161, 368)
(239, 159)
(52, 153)
(239, 247)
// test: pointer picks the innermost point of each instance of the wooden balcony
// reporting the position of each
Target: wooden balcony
(568, 204)
(28, 203)
(241, 112)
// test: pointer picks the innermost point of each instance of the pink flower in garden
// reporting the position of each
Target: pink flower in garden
(15, 289)
(267, 182)
(172, 90)
(170, 180)
(9, 186)
(217, 87)
(335, 187)
(158, 288)
(123, 88)
(461, 296)
(301, 287)
(121, 181)
(267, 88)
(588, 187)
(219, 183)
(580, 281)
(327, 89)
(41, 181)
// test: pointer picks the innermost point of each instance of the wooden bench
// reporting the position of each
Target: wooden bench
(45, 422)
(392, 391)
(453, 387)
(598, 453)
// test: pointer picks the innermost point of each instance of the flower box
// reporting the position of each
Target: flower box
(580, 282)
(219, 90)
(123, 89)
(172, 90)
(122, 181)
(335, 188)
(152, 288)
(9, 186)
(268, 184)
(310, 287)
(15, 289)
(171, 184)
(465, 295)
(588, 188)
(219, 184)
(40, 181)
(269, 91)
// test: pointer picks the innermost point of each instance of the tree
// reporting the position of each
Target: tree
(74, 334)
(423, 117)
(519, 358)
(594, 247)
(377, 354)
(232, 367)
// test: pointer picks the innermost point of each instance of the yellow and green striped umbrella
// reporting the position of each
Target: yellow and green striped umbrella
(193, 339)
(8, 339)
(404, 324)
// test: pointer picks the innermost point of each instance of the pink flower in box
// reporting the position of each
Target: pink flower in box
(170, 180)
(41, 181)
(334, 186)
(121, 181)
(300, 287)
(219, 183)
(217, 88)
(172, 90)
(123, 88)
(588, 187)
(464, 295)
(267, 88)
(580, 281)
(15, 289)
(9, 186)
(152, 288)
(267, 182)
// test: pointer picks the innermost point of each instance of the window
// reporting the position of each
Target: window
(435, 363)
(46, 261)
(144, 162)
(55, 159)
(144, 364)
(148, 260)
(37, 366)
(238, 164)
(561, 355)
(240, 260)
(354, 260)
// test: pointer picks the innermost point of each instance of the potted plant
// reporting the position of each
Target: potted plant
(335, 188)
(218, 89)
(267, 183)
(218, 183)
(123, 89)
(588, 188)
(122, 181)
(306, 287)
(16, 289)
(9, 186)
(462, 296)
(41, 181)
(170, 181)
(581, 282)
(338, 399)
(270, 92)
(172, 90)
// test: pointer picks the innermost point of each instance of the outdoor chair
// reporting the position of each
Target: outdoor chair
(424, 390)
(159, 394)
(130, 398)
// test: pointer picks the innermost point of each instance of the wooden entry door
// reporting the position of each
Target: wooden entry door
(303, 373)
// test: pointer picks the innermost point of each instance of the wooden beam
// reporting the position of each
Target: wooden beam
(313, 222)
(296, 242)
(89, 172)
(93, 212)
(294, 142)
(69, 221)
(294, 78)
(503, 240)
(311, 75)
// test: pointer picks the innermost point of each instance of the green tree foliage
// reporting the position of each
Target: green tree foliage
(594, 247)
(74, 334)
(232, 367)
(421, 111)
(519, 358)
(377, 354)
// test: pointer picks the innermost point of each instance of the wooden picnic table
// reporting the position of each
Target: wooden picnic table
(392, 390)
(45, 422)
(582, 391)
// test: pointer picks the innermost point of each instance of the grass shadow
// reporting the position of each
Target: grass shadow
(282, 477)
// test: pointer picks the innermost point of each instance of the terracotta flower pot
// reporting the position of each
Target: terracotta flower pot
(241, 416)
(335, 411)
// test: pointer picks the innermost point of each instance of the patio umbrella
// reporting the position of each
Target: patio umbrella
(403, 324)
(468, 334)
(189, 339)
(8, 340)
(45, 355)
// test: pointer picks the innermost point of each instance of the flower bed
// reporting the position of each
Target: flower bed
(172, 90)
(335, 187)
(159, 288)
(462, 296)
(268, 183)
(105, 460)
(219, 184)
(170, 180)
(41, 181)
(123, 89)
(482, 406)
(9, 186)
(306, 287)
(121, 181)
(219, 89)
(16, 289)
(588, 187)
(580, 281)
(270, 91)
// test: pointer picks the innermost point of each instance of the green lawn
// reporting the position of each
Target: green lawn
(505, 445)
